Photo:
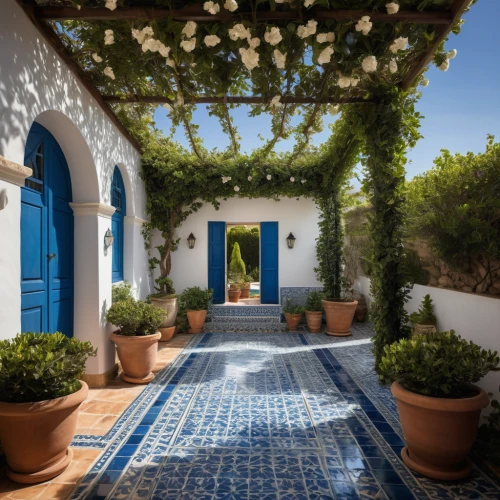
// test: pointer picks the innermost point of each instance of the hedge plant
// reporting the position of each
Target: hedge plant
(39, 366)
(196, 299)
(135, 318)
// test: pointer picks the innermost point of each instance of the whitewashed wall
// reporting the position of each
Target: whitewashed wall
(190, 267)
(473, 316)
(35, 85)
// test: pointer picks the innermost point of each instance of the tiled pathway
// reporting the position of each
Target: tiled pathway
(262, 416)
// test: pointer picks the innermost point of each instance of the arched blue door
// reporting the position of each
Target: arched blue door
(118, 201)
(46, 238)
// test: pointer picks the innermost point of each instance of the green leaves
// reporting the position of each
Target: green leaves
(314, 301)
(135, 317)
(195, 298)
(39, 366)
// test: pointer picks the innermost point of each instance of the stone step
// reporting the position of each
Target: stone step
(261, 311)
(244, 326)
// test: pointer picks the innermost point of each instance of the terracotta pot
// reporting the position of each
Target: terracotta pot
(167, 333)
(196, 320)
(245, 292)
(361, 307)
(36, 436)
(234, 295)
(293, 320)
(423, 329)
(439, 432)
(339, 316)
(137, 356)
(313, 319)
(168, 304)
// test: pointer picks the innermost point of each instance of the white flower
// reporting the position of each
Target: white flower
(179, 101)
(164, 50)
(344, 81)
(444, 65)
(78, 7)
(167, 107)
(369, 64)
(249, 178)
(97, 58)
(275, 102)
(171, 63)
(424, 82)
(236, 188)
(451, 54)
(392, 8)
(398, 44)
(268, 177)
(325, 37)
(250, 58)
(364, 25)
(292, 179)
(109, 38)
(142, 35)
(188, 45)
(211, 40)
(303, 181)
(308, 3)
(326, 55)
(190, 29)
(333, 109)
(231, 5)
(393, 66)
(225, 179)
(108, 71)
(354, 81)
(110, 4)
(279, 58)
(253, 43)
(238, 31)
(309, 29)
(211, 7)
(273, 37)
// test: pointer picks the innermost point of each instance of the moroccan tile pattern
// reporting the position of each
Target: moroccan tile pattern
(291, 416)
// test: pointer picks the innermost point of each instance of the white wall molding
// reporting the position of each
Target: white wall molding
(132, 219)
(93, 209)
(13, 172)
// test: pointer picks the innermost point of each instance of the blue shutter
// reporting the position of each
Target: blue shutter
(217, 260)
(118, 200)
(269, 293)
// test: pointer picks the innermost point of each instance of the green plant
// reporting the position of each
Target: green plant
(135, 318)
(425, 314)
(196, 299)
(248, 240)
(237, 266)
(440, 365)
(247, 279)
(165, 287)
(488, 436)
(291, 308)
(254, 274)
(123, 291)
(234, 286)
(40, 366)
(314, 301)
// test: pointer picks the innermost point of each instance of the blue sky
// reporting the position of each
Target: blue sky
(460, 106)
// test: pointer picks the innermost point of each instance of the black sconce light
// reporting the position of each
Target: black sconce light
(108, 240)
(191, 241)
(290, 240)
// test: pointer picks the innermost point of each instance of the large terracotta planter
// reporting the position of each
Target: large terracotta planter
(234, 295)
(439, 432)
(361, 308)
(293, 320)
(137, 356)
(339, 316)
(168, 333)
(245, 291)
(423, 329)
(313, 319)
(36, 436)
(196, 320)
(168, 304)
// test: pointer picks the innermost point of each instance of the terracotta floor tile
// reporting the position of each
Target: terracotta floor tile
(87, 431)
(28, 492)
(87, 419)
(84, 454)
(106, 422)
(106, 408)
(75, 471)
(58, 491)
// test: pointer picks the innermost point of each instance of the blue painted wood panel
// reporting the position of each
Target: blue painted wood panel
(269, 286)
(217, 260)
(118, 200)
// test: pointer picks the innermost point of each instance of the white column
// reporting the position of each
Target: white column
(12, 176)
(93, 282)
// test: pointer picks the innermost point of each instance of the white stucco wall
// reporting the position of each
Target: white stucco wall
(473, 316)
(35, 85)
(190, 267)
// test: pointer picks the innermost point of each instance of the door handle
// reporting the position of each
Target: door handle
(50, 256)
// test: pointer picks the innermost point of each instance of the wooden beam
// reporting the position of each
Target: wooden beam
(51, 37)
(233, 100)
(457, 9)
(48, 13)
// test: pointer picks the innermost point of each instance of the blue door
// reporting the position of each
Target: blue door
(118, 201)
(46, 238)
(269, 293)
(217, 260)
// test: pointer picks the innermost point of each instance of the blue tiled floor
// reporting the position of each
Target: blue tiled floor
(264, 416)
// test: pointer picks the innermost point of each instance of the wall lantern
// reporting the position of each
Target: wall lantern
(290, 240)
(108, 239)
(191, 241)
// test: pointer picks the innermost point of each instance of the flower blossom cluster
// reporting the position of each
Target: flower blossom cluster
(369, 64)
(275, 102)
(279, 59)
(231, 5)
(326, 55)
(236, 188)
(211, 40)
(145, 38)
(225, 179)
(393, 66)
(345, 82)
(211, 7)
(189, 31)
(273, 37)
(303, 31)
(109, 37)
(364, 25)
(398, 44)
(392, 7)
(108, 71)
(96, 57)
(308, 3)
(110, 4)
(325, 37)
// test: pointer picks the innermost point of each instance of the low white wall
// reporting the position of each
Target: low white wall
(190, 267)
(473, 316)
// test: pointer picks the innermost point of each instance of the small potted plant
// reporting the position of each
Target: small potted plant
(424, 321)
(245, 287)
(196, 302)
(439, 408)
(137, 338)
(40, 396)
(166, 299)
(293, 314)
(234, 292)
(314, 310)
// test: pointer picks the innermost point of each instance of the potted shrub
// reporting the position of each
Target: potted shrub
(166, 299)
(314, 311)
(339, 310)
(122, 291)
(293, 315)
(439, 408)
(424, 321)
(137, 338)
(40, 396)
(195, 302)
(234, 292)
(245, 287)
